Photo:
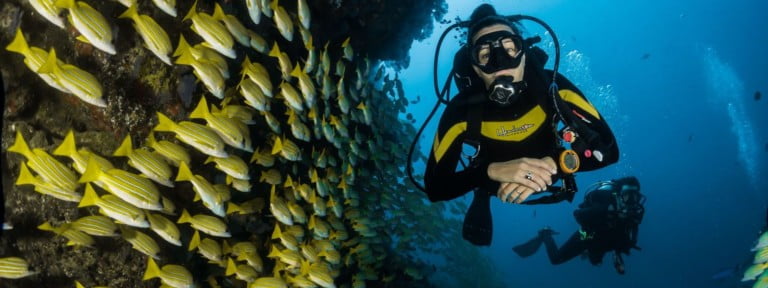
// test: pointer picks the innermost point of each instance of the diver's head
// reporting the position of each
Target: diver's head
(497, 55)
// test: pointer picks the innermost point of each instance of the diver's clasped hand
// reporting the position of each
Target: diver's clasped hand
(520, 178)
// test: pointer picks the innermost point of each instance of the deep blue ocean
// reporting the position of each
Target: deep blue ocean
(676, 81)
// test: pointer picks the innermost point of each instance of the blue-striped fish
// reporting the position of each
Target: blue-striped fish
(14, 268)
(80, 157)
(49, 11)
(75, 80)
(291, 96)
(235, 27)
(283, 60)
(233, 166)
(95, 225)
(172, 152)
(305, 17)
(204, 190)
(171, 275)
(213, 32)
(263, 158)
(287, 149)
(114, 208)
(167, 6)
(254, 97)
(306, 85)
(205, 55)
(311, 63)
(254, 11)
(165, 228)
(91, 24)
(207, 224)
(272, 122)
(48, 168)
(74, 237)
(238, 184)
(155, 37)
(282, 21)
(228, 129)
(34, 58)
(140, 241)
(279, 209)
(268, 282)
(348, 53)
(242, 272)
(258, 43)
(208, 248)
(150, 164)
(199, 136)
(258, 74)
(132, 188)
(206, 72)
(46, 188)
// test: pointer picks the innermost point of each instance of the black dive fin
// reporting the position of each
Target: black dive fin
(528, 248)
(478, 223)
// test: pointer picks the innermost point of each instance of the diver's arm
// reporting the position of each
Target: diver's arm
(591, 127)
(441, 179)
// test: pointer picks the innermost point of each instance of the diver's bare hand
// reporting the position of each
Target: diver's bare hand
(535, 174)
(514, 193)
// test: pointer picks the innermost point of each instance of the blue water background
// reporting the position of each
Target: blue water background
(687, 124)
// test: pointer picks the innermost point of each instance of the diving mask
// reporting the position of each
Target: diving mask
(497, 51)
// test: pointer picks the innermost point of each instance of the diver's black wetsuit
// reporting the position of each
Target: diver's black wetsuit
(521, 130)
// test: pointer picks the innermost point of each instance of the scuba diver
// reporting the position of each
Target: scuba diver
(609, 218)
(504, 123)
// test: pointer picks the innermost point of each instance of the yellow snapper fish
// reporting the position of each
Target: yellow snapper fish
(283, 60)
(132, 188)
(762, 242)
(754, 271)
(306, 35)
(341, 96)
(311, 62)
(239, 184)
(288, 240)
(155, 38)
(279, 209)
(242, 272)
(233, 166)
(265, 8)
(291, 96)
(272, 122)
(328, 86)
(299, 130)
(254, 97)
(263, 158)
(304, 14)
(172, 152)
(287, 149)
(258, 74)
(45, 188)
(239, 112)
(165, 228)
(49, 11)
(34, 58)
(171, 275)
(114, 208)
(206, 72)
(167, 6)
(306, 85)
(254, 10)
(205, 55)
(80, 157)
(320, 275)
(325, 61)
(271, 176)
(199, 136)
(14, 268)
(341, 68)
(74, 237)
(268, 282)
(95, 225)
(91, 24)
(150, 164)
(287, 256)
(75, 80)
(282, 21)
(213, 32)
(319, 227)
(208, 248)
(207, 224)
(299, 216)
(258, 43)
(762, 282)
(228, 129)
(204, 190)
(348, 53)
(235, 27)
(48, 168)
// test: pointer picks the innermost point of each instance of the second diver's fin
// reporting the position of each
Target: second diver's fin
(478, 223)
(528, 248)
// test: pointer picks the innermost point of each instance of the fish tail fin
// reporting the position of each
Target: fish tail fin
(164, 124)
(231, 267)
(46, 226)
(151, 141)
(277, 233)
(183, 46)
(92, 171)
(64, 3)
(185, 218)
(278, 146)
(20, 146)
(192, 12)
(153, 271)
(195, 241)
(67, 146)
(275, 52)
(184, 173)
(19, 44)
(233, 208)
(131, 13)
(201, 111)
(185, 57)
(25, 177)
(274, 252)
(296, 72)
(51, 65)
(218, 13)
(89, 198)
(125, 148)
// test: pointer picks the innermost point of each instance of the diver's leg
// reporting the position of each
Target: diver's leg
(572, 248)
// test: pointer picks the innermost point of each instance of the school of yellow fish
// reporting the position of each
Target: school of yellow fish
(757, 271)
(324, 181)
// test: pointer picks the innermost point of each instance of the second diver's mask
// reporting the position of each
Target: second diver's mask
(496, 51)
